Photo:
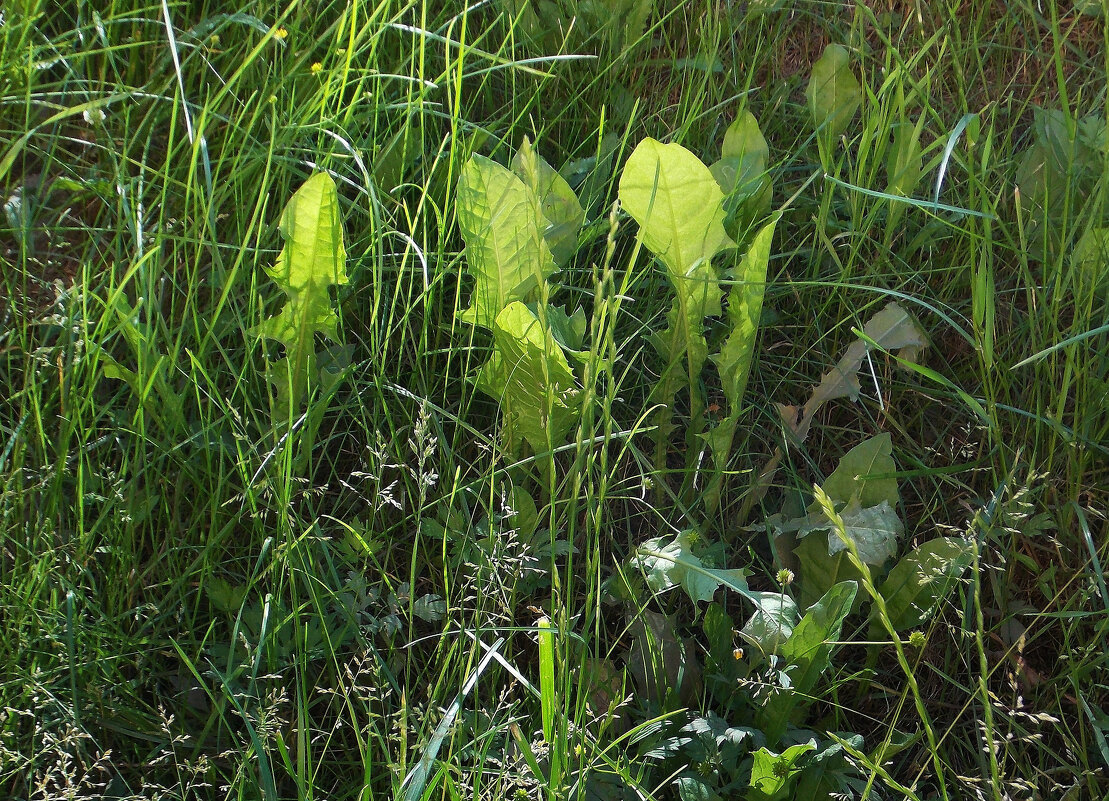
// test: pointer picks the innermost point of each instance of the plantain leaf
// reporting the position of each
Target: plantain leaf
(560, 207)
(529, 375)
(502, 225)
(312, 260)
(833, 92)
(923, 578)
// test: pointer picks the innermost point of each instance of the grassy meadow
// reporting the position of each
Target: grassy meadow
(554, 399)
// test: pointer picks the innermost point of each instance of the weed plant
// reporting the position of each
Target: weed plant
(283, 519)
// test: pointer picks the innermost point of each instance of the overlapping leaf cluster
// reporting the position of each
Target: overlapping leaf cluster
(520, 226)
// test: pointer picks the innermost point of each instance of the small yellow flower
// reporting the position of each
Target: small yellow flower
(280, 33)
(917, 639)
(316, 68)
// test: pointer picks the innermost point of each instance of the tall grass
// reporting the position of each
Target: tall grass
(199, 604)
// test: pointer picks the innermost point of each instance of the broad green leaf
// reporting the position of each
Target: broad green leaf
(820, 571)
(697, 297)
(680, 211)
(773, 775)
(668, 565)
(833, 92)
(677, 203)
(742, 169)
(772, 623)
(871, 502)
(312, 260)
(733, 362)
(1090, 262)
(807, 651)
(559, 205)
(826, 770)
(850, 479)
(810, 645)
(502, 224)
(922, 579)
(893, 329)
(875, 531)
(529, 375)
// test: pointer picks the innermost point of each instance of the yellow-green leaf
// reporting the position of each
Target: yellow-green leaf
(502, 225)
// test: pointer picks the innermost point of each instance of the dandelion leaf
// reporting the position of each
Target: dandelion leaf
(502, 225)
(562, 213)
(531, 378)
(312, 260)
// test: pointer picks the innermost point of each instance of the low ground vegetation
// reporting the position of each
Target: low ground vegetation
(611, 400)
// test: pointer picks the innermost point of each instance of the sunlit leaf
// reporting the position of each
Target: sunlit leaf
(312, 260)
(677, 203)
(772, 623)
(559, 205)
(679, 208)
(923, 578)
(502, 224)
(671, 564)
(529, 375)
